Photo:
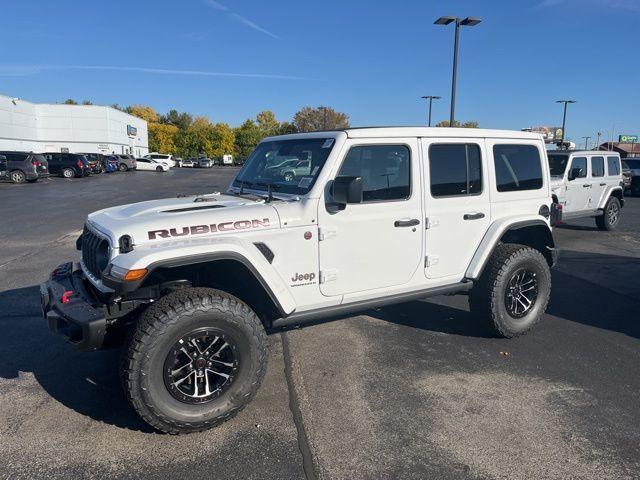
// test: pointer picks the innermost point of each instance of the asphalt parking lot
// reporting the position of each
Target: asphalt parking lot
(419, 390)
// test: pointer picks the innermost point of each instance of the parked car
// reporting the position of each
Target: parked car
(587, 184)
(179, 161)
(20, 167)
(152, 165)
(95, 162)
(205, 162)
(68, 165)
(126, 162)
(633, 163)
(202, 281)
(188, 163)
(162, 157)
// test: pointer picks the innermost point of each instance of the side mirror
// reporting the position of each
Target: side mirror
(574, 173)
(347, 190)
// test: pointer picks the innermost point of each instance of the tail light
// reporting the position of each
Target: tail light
(80, 164)
(35, 163)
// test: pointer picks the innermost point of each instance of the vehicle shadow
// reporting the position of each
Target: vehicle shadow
(581, 228)
(85, 382)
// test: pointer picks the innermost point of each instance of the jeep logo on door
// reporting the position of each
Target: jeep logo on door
(300, 279)
(211, 228)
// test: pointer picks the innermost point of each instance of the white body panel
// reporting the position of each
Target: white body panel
(323, 257)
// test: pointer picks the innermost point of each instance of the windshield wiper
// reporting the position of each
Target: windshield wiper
(270, 188)
(242, 184)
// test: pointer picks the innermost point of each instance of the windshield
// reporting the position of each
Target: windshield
(289, 166)
(558, 164)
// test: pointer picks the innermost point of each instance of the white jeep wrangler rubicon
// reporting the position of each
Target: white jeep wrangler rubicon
(192, 284)
(587, 184)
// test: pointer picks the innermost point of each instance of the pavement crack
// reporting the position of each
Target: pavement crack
(294, 406)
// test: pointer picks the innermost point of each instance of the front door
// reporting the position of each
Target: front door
(578, 192)
(376, 243)
(456, 203)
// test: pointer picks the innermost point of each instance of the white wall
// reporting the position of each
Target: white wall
(80, 128)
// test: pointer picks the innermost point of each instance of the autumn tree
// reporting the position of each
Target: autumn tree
(248, 135)
(222, 139)
(197, 139)
(267, 123)
(87, 102)
(162, 138)
(144, 112)
(322, 118)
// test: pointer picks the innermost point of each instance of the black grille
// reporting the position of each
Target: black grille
(95, 252)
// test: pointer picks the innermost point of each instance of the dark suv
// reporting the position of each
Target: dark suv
(68, 165)
(20, 167)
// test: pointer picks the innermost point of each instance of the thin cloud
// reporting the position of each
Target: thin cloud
(239, 18)
(25, 70)
(629, 5)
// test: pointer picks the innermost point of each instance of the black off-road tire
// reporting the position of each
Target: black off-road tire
(18, 176)
(166, 322)
(610, 217)
(487, 299)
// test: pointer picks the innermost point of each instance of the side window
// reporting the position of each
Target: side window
(455, 169)
(518, 167)
(384, 169)
(613, 166)
(578, 167)
(597, 166)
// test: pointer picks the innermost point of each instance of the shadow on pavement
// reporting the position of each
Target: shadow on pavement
(85, 382)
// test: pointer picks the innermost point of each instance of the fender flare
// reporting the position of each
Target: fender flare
(492, 238)
(607, 194)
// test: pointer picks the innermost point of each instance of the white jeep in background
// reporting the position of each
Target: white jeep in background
(191, 285)
(587, 184)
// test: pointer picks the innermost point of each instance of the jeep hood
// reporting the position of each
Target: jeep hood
(155, 221)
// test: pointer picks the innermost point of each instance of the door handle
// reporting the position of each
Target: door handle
(603, 184)
(406, 223)
(473, 216)
(586, 185)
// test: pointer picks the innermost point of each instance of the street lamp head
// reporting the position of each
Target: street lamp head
(432, 97)
(471, 21)
(565, 101)
(445, 20)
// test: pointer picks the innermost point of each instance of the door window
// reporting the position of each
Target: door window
(384, 169)
(597, 166)
(613, 166)
(578, 167)
(455, 169)
(518, 167)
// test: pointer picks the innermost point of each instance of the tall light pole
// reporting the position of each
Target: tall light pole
(431, 98)
(465, 22)
(586, 142)
(599, 134)
(564, 119)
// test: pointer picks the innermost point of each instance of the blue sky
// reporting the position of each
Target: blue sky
(229, 59)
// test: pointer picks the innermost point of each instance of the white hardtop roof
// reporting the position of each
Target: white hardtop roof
(430, 132)
(582, 152)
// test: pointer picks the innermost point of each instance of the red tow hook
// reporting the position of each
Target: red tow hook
(66, 296)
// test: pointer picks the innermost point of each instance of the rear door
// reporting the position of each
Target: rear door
(598, 181)
(376, 243)
(456, 203)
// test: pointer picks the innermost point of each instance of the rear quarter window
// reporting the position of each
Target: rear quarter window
(613, 166)
(518, 167)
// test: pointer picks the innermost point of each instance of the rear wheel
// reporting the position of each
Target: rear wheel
(513, 291)
(195, 359)
(18, 176)
(122, 167)
(159, 169)
(68, 173)
(610, 216)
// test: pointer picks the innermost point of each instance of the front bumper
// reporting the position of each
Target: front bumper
(71, 310)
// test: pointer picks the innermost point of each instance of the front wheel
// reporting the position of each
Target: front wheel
(513, 291)
(610, 216)
(122, 167)
(195, 359)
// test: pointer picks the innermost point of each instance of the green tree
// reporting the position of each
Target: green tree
(248, 135)
(322, 118)
(162, 138)
(267, 123)
(70, 101)
(181, 120)
(222, 140)
(144, 112)
(469, 124)
(197, 139)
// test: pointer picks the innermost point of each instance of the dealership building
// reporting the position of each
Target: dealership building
(43, 127)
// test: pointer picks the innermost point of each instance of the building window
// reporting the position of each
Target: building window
(518, 167)
(455, 169)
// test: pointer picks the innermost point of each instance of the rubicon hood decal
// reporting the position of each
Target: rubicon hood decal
(211, 228)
